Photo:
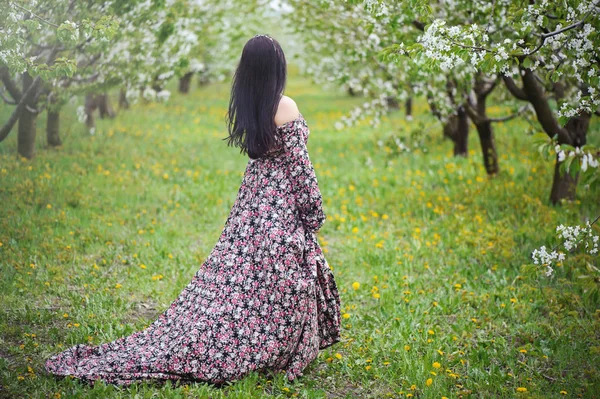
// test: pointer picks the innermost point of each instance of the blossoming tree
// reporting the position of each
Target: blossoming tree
(40, 48)
(546, 52)
(369, 38)
(62, 49)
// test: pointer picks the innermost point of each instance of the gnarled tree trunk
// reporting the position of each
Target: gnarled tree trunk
(185, 82)
(408, 107)
(27, 124)
(461, 137)
(106, 109)
(573, 133)
(53, 128)
(564, 186)
(456, 129)
(478, 114)
(488, 147)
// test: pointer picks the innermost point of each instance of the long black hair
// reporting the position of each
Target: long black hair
(256, 89)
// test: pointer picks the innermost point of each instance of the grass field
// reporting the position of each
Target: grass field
(430, 256)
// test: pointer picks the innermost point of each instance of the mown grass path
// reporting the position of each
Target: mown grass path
(98, 237)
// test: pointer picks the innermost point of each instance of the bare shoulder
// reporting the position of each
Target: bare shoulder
(287, 111)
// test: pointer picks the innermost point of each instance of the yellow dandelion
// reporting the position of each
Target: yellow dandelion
(406, 347)
(521, 389)
(338, 355)
(355, 285)
(346, 315)
(436, 365)
(429, 381)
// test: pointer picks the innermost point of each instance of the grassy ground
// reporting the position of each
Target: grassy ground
(430, 256)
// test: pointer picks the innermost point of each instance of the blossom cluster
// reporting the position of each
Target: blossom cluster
(587, 159)
(572, 237)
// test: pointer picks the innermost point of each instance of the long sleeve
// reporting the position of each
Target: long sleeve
(302, 176)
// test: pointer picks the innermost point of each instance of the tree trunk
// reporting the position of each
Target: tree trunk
(53, 128)
(565, 186)
(450, 127)
(392, 103)
(456, 129)
(26, 129)
(488, 147)
(123, 102)
(408, 107)
(351, 92)
(106, 110)
(90, 107)
(461, 135)
(185, 82)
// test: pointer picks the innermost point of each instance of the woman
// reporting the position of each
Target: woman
(265, 298)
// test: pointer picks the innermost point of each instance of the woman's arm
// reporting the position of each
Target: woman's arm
(302, 176)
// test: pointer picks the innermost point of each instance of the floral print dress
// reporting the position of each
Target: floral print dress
(264, 299)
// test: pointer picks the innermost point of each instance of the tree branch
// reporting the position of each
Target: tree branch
(515, 90)
(6, 99)
(10, 85)
(30, 93)
(33, 15)
(544, 113)
(487, 90)
(545, 36)
(475, 117)
(419, 25)
(509, 117)
(487, 28)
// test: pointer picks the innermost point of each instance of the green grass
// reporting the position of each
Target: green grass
(100, 236)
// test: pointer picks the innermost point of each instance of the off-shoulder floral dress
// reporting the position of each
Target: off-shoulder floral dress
(264, 299)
